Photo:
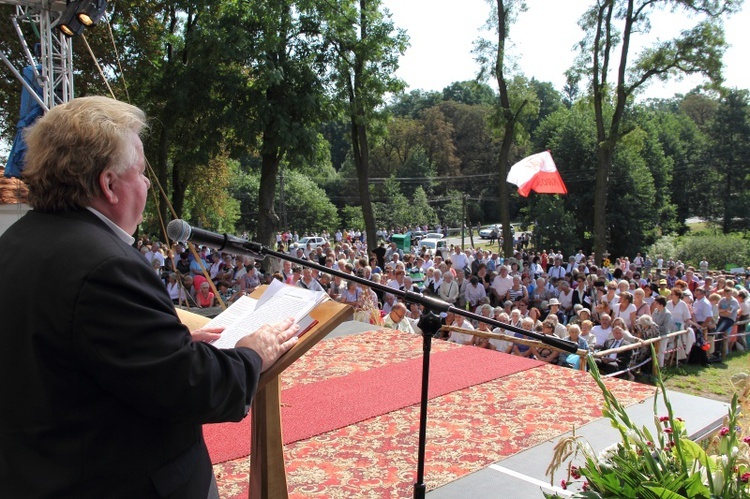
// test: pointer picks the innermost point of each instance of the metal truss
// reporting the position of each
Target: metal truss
(55, 57)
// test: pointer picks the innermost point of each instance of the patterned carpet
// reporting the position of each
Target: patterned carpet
(467, 429)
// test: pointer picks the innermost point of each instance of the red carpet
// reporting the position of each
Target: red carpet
(316, 408)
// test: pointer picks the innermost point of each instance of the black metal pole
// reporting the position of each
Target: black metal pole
(429, 323)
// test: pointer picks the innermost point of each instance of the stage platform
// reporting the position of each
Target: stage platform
(492, 439)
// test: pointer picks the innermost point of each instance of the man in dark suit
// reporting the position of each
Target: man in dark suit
(103, 390)
(614, 362)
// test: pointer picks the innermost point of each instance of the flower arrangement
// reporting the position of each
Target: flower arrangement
(666, 464)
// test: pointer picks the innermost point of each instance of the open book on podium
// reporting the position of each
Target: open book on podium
(317, 316)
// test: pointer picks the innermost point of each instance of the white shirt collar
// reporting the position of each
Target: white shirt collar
(126, 238)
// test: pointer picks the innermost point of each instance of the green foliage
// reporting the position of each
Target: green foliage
(307, 206)
(395, 210)
(664, 464)
(351, 216)
(422, 212)
(470, 92)
(719, 250)
(450, 213)
(209, 201)
(665, 246)
(554, 225)
(731, 133)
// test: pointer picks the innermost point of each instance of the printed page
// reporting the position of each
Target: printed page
(287, 301)
(244, 305)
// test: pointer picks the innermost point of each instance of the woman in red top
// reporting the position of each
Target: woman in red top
(205, 298)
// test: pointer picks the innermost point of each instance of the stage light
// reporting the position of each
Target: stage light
(91, 11)
(68, 22)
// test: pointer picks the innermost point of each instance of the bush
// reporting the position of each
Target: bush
(665, 246)
(719, 250)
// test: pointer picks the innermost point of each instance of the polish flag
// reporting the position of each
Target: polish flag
(537, 173)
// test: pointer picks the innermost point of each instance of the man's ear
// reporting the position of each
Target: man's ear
(106, 180)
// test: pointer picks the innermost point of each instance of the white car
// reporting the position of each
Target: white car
(485, 232)
(313, 241)
(431, 244)
(433, 235)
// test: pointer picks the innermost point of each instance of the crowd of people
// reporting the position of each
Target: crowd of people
(599, 307)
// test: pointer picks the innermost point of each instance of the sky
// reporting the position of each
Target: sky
(442, 33)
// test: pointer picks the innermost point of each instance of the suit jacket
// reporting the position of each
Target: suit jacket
(103, 393)
(623, 358)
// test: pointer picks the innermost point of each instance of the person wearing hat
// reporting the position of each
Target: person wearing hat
(554, 309)
(582, 314)
(663, 289)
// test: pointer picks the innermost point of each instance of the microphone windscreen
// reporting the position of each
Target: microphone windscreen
(178, 230)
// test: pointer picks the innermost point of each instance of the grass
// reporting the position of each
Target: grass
(713, 381)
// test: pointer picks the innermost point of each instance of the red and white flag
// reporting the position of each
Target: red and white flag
(537, 173)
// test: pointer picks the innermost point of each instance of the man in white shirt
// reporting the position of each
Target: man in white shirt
(501, 284)
(603, 330)
(701, 307)
(154, 253)
(461, 338)
(557, 271)
(459, 259)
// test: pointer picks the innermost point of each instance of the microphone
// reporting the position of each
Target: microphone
(181, 231)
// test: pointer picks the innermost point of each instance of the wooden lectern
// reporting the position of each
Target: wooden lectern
(267, 468)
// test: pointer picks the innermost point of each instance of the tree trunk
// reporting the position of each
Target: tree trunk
(503, 189)
(604, 160)
(360, 144)
(268, 220)
(362, 162)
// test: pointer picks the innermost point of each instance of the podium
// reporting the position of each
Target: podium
(267, 467)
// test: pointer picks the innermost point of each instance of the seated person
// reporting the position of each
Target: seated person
(614, 362)
(485, 310)
(571, 359)
(497, 344)
(519, 349)
(458, 337)
(397, 318)
(205, 297)
(544, 353)
(586, 327)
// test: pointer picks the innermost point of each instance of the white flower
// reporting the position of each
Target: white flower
(634, 436)
(718, 481)
(607, 453)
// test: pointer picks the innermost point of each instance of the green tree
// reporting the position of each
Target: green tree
(609, 26)
(277, 46)
(554, 223)
(365, 50)
(394, 208)
(308, 206)
(409, 104)
(450, 214)
(421, 211)
(570, 134)
(731, 148)
(470, 92)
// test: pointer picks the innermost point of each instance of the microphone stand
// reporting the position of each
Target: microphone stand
(429, 323)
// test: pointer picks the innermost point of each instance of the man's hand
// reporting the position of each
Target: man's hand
(271, 341)
(207, 334)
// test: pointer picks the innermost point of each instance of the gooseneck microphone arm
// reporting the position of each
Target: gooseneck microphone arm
(180, 231)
